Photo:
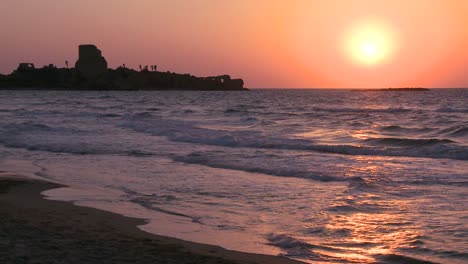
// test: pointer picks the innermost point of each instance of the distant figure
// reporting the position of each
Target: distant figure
(152, 68)
(91, 64)
(146, 68)
(125, 67)
(66, 63)
(141, 68)
(155, 67)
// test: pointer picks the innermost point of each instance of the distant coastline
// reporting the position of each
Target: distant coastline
(406, 89)
(91, 73)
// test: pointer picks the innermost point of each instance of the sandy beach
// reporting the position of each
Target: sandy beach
(36, 230)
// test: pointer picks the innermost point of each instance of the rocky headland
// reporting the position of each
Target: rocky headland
(405, 89)
(91, 72)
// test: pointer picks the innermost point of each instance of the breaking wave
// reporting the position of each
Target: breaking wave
(408, 141)
(180, 131)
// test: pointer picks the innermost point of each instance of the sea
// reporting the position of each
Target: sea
(321, 176)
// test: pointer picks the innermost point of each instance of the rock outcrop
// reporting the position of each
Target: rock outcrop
(91, 73)
(91, 64)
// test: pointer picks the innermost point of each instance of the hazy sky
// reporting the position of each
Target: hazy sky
(269, 43)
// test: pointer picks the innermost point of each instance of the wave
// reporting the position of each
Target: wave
(452, 110)
(109, 115)
(37, 136)
(57, 139)
(459, 132)
(68, 114)
(154, 109)
(143, 115)
(231, 111)
(312, 167)
(80, 149)
(320, 110)
(200, 159)
(152, 201)
(438, 182)
(286, 242)
(396, 258)
(188, 132)
(455, 131)
(362, 110)
(31, 127)
(297, 248)
(394, 128)
(103, 97)
(407, 141)
(77, 148)
(400, 129)
(338, 252)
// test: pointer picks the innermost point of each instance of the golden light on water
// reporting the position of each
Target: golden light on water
(371, 233)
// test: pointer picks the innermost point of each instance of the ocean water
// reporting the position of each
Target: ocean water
(323, 176)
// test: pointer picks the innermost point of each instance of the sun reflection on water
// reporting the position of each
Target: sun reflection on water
(371, 234)
(374, 223)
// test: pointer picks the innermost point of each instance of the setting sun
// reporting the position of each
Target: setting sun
(370, 43)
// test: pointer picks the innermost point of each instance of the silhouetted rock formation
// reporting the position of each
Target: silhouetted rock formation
(91, 73)
(91, 64)
(406, 89)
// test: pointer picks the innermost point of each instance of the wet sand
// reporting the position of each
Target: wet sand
(36, 230)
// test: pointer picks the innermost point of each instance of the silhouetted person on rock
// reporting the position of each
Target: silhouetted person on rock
(66, 63)
(141, 68)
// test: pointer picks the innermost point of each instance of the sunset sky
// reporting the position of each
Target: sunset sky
(268, 43)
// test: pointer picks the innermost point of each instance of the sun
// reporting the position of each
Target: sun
(370, 50)
(370, 43)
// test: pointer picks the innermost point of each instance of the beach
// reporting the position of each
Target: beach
(36, 230)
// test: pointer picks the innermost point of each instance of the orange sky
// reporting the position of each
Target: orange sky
(269, 43)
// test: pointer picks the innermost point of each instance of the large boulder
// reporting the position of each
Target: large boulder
(233, 84)
(91, 64)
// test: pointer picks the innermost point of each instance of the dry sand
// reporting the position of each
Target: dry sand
(36, 230)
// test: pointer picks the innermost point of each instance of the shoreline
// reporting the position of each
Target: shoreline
(36, 230)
